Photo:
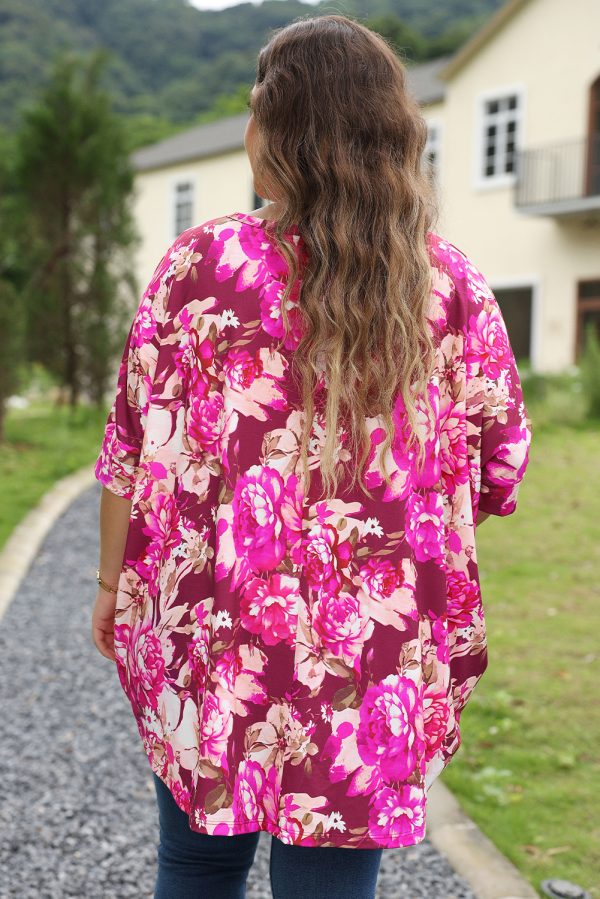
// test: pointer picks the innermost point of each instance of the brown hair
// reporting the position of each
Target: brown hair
(339, 142)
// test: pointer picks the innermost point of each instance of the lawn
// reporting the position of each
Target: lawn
(528, 770)
(43, 443)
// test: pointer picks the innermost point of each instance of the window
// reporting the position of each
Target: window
(431, 154)
(184, 206)
(500, 135)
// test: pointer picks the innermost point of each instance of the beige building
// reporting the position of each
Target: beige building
(514, 134)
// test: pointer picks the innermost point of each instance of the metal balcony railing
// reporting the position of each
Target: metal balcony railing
(559, 177)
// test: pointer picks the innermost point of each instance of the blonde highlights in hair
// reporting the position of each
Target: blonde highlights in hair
(339, 142)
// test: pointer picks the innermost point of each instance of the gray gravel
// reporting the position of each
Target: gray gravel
(78, 813)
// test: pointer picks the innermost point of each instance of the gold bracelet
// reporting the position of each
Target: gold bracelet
(103, 584)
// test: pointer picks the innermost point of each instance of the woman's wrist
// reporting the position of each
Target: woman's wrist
(105, 584)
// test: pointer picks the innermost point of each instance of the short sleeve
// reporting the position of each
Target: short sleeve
(117, 464)
(498, 428)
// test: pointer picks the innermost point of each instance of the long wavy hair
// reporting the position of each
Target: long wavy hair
(339, 142)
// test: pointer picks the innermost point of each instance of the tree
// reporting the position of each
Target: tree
(406, 42)
(12, 318)
(11, 344)
(75, 179)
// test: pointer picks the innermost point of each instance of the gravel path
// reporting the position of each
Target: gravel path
(78, 812)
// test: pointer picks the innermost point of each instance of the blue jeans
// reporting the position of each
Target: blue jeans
(194, 865)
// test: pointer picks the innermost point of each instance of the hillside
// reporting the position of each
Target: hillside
(173, 62)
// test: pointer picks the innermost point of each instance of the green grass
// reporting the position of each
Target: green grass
(528, 770)
(43, 443)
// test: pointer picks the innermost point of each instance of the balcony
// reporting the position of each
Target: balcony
(560, 180)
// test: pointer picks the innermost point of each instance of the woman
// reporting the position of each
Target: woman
(316, 405)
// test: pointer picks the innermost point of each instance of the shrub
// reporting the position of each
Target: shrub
(590, 370)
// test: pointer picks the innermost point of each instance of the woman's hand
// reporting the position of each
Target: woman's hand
(103, 623)
(114, 522)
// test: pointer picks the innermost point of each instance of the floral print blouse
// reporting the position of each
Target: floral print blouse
(293, 665)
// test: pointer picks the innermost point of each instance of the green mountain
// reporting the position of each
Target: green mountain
(172, 63)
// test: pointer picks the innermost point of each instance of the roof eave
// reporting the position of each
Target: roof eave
(141, 166)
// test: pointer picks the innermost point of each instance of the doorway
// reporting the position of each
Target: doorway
(516, 307)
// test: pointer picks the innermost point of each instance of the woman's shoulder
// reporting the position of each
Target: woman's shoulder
(201, 232)
(446, 255)
(466, 285)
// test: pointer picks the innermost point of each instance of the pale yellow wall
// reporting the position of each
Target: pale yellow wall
(552, 48)
(435, 113)
(222, 184)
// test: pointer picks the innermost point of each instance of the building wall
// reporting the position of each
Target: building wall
(536, 51)
(222, 184)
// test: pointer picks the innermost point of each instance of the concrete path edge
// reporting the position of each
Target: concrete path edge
(490, 874)
(23, 544)
(470, 853)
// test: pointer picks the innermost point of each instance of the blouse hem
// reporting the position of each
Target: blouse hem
(376, 841)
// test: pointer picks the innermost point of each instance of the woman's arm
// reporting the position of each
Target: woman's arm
(498, 427)
(114, 523)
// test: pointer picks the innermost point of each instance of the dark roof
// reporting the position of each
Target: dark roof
(226, 135)
(209, 139)
(424, 80)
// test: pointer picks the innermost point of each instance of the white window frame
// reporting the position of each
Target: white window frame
(503, 179)
(178, 180)
(435, 124)
(532, 281)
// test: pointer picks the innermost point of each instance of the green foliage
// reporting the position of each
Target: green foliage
(406, 42)
(74, 181)
(11, 343)
(555, 400)
(144, 129)
(171, 61)
(12, 318)
(43, 443)
(590, 370)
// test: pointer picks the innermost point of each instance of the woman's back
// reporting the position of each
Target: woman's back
(299, 665)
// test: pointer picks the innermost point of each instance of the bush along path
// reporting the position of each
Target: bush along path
(78, 812)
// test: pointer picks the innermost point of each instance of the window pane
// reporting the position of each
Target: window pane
(184, 207)
(499, 138)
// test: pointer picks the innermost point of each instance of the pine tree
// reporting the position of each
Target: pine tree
(12, 317)
(75, 179)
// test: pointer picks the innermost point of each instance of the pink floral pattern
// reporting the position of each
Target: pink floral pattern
(293, 665)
